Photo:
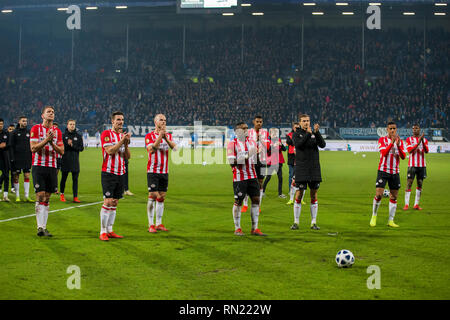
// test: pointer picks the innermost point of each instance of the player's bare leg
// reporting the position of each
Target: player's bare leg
(409, 183)
(297, 208)
(159, 210)
(255, 216)
(237, 217)
(42, 209)
(418, 194)
(314, 208)
(392, 208)
(376, 205)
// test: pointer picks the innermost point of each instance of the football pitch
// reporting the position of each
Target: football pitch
(201, 258)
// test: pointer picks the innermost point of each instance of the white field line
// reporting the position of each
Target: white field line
(64, 209)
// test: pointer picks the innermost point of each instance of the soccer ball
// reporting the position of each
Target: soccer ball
(386, 193)
(345, 258)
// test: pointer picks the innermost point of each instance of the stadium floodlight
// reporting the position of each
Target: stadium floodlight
(7, 11)
(342, 3)
(439, 13)
(62, 9)
(348, 13)
(246, 4)
(309, 4)
(409, 13)
(374, 3)
(121, 7)
(318, 13)
(440, 4)
(257, 13)
(91, 8)
(228, 14)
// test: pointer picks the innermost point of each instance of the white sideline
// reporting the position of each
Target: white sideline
(69, 208)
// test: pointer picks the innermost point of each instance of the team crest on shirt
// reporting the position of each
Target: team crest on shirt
(4, 137)
(32, 134)
(106, 139)
(240, 194)
(153, 186)
(380, 181)
(36, 186)
(75, 138)
(147, 141)
(107, 193)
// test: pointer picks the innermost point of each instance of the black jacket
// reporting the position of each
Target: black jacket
(4, 152)
(20, 146)
(290, 143)
(307, 165)
(71, 156)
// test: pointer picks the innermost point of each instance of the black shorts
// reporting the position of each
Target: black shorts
(58, 163)
(420, 172)
(45, 179)
(303, 185)
(157, 182)
(112, 185)
(259, 170)
(242, 188)
(393, 180)
(21, 165)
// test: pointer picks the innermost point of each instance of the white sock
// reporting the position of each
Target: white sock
(150, 211)
(297, 211)
(261, 192)
(159, 212)
(418, 193)
(104, 217)
(255, 215)
(111, 218)
(26, 188)
(5, 194)
(407, 196)
(313, 208)
(392, 208)
(376, 205)
(45, 214)
(16, 189)
(292, 193)
(246, 201)
(237, 216)
(39, 214)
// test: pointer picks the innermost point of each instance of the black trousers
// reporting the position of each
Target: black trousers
(280, 179)
(125, 177)
(4, 179)
(62, 186)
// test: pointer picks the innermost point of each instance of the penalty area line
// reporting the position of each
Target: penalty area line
(57, 210)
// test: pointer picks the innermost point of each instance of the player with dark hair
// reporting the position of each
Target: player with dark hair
(391, 151)
(70, 163)
(275, 161)
(5, 163)
(417, 146)
(307, 168)
(158, 143)
(241, 155)
(45, 143)
(20, 144)
(115, 150)
(261, 138)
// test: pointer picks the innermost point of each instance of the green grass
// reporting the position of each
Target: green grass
(200, 258)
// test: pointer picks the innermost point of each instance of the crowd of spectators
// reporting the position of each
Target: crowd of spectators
(224, 80)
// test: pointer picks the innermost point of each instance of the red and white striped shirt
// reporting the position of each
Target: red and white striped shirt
(390, 155)
(416, 157)
(46, 157)
(262, 139)
(158, 161)
(246, 170)
(112, 163)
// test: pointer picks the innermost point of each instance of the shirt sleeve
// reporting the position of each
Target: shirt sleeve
(381, 145)
(106, 139)
(34, 134)
(59, 141)
(231, 151)
(148, 140)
